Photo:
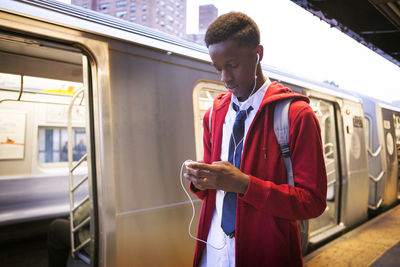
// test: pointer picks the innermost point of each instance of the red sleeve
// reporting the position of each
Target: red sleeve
(308, 198)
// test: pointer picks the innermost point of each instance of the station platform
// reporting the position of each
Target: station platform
(375, 243)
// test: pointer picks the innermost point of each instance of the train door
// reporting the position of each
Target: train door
(38, 80)
(325, 112)
(397, 132)
(389, 142)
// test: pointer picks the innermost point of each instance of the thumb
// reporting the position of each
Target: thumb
(226, 163)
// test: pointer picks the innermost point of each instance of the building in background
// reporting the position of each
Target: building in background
(165, 15)
(207, 14)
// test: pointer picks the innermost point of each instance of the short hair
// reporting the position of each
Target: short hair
(233, 26)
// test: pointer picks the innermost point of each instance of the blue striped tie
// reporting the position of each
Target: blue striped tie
(235, 154)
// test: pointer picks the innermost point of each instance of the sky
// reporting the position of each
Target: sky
(297, 42)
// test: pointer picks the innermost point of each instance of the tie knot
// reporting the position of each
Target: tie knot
(241, 114)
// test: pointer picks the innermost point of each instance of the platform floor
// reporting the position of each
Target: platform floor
(375, 243)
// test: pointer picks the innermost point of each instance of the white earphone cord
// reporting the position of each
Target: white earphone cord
(194, 213)
(187, 194)
(255, 75)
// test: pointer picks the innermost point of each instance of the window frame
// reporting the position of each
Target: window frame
(198, 130)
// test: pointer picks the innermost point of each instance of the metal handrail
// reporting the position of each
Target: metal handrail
(21, 92)
(21, 89)
(328, 145)
(329, 173)
(331, 182)
(73, 187)
(80, 203)
(377, 179)
(329, 163)
(377, 205)
(79, 226)
(376, 153)
(329, 153)
(80, 182)
(81, 245)
(79, 162)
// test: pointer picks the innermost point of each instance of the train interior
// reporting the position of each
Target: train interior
(325, 112)
(43, 135)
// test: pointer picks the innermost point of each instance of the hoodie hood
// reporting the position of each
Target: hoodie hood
(275, 92)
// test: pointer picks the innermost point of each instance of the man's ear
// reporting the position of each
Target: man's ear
(260, 52)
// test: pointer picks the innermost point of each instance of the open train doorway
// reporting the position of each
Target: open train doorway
(46, 145)
(328, 222)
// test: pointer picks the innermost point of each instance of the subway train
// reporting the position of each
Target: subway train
(95, 109)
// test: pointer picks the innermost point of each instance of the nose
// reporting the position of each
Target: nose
(225, 76)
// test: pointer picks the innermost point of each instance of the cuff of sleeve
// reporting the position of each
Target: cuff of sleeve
(193, 188)
(257, 192)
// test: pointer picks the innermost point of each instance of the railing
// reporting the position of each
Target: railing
(72, 187)
(376, 153)
(375, 207)
(376, 179)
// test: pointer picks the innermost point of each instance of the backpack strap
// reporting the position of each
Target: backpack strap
(281, 129)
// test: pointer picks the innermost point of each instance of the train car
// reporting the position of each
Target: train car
(382, 126)
(136, 98)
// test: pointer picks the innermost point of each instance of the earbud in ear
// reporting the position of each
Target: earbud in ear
(255, 71)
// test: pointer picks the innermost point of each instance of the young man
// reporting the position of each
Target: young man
(249, 213)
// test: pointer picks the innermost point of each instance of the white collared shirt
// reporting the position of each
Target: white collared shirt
(216, 236)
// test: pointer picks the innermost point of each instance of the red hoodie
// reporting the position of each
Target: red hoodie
(266, 229)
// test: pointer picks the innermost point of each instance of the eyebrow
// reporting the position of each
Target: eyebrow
(229, 61)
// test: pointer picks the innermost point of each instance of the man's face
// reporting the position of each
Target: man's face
(235, 65)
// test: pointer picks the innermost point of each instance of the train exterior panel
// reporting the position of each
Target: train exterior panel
(355, 195)
(382, 139)
(152, 121)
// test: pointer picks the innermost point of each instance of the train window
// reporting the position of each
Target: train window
(203, 97)
(53, 144)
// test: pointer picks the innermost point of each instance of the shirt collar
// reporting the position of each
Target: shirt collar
(255, 99)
